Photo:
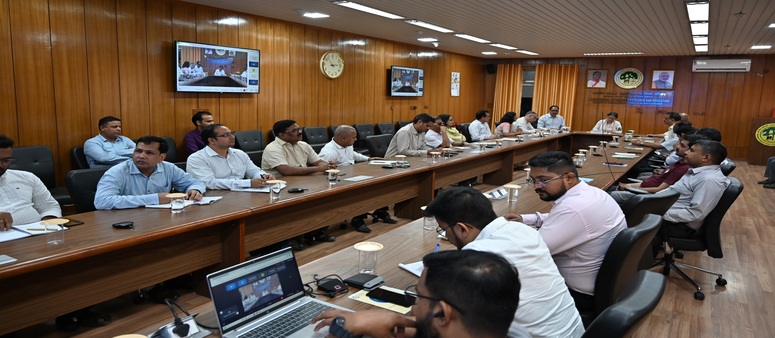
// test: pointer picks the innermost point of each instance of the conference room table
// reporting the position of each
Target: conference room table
(98, 262)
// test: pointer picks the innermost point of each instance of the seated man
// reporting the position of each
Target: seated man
(551, 120)
(193, 140)
(669, 138)
(664, 178)
(480, 128)
(460, 294)
(340, 151)
(436, 135)
(108, 147)
(25, 199)
(220, 166)
(524, 124)
(546, 307)
(579, 228)
(700, 189)
(410, 139)
(145, 180)
(769, 174)
(290, 156)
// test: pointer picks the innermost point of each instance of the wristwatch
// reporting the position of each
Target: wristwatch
(337, 329)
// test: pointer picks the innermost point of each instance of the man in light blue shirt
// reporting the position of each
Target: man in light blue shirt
(145, 180)
(220, 166)
(553, 120)
(108, 147)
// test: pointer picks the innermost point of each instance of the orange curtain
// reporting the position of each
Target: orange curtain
(555, 85)
(508, 90)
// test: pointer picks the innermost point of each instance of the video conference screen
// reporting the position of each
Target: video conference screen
(216, 69)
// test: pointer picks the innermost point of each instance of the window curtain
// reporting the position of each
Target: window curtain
(555, 85)
(508, 90)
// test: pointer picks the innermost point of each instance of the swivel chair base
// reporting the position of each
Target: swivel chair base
(669, 263)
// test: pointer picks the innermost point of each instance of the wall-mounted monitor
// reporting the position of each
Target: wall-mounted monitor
(208, 68)
(405, 81)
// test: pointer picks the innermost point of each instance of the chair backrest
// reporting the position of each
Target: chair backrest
(386, 128)
(172, 152)
(38, 160)
(463, 129)
(639, 205)
(79, 158)
(637, 299)
(82, 185)
(378, 144)
(270, 136)
(256, 156)
(709, 236)
(621, 260)
(401, 124)
(727, 166)
(249, 140)
(181, 165)
(315, 135)
(363, 130)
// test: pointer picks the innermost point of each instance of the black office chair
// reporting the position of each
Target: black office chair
(636, 300)
(707, 238)
(638, 206)
(378, 144)
(727, 166)
(401, 124)
(463, 129)
(270, 136)
(620, 264)
(332, 130)
(79, 158)
(385, 128)
(82, 185)
(363, 131)
(39, 160)
(249, 140)
(317, 137)
(172, 152)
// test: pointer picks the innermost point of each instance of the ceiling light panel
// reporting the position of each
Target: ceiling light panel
(362, 8)
(429, 26)
(472, 38)
(502, 46)
(698, 11)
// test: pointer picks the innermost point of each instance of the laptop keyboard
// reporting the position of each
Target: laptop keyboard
(288, 323)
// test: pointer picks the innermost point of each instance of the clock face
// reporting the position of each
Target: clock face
(331, 65)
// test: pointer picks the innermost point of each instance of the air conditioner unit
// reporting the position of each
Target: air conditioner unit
(722, 66)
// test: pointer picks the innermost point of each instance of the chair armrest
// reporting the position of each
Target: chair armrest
(636, 191)
(634, 180)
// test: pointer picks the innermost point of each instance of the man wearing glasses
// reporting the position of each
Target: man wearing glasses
(579, 228)
(23, 197)
(467, 219)
(460, 294)
(220, 166)
(552, 120)
(410, 139)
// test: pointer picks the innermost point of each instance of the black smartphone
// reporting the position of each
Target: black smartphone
(72, 223)
(391, 297)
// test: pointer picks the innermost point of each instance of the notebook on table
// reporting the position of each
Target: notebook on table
(264, 297)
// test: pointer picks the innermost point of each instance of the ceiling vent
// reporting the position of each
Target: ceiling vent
(722, 66)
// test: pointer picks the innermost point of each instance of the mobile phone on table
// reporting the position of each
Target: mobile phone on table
(72, 223)
(391, 297)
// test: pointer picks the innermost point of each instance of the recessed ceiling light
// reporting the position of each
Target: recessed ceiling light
(761, 47)
(698, 11)
(526, 52)
(362, 8)
(699, 28)
(700, 40)
(612, 53)
(472, 38)
(502, 46)
(427, 39)
(700, 48)
(429, 26)
(315, 15)
(232, 21)
(489, 53)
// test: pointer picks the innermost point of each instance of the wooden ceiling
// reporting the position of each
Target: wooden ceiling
(551, 28)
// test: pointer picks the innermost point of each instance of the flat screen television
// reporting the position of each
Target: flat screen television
(208, 68)
(405, 81)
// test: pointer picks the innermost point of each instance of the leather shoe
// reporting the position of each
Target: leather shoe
(769, 186)
(360, 225)
(766, 181)
(322, 236)
(384, 216)
(296, 245)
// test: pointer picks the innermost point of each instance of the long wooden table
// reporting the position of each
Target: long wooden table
(98, 262)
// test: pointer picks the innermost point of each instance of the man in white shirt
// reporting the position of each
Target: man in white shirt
(524, 124)
(669, 138)
(552, 120)
(579, 228)
(220, 166)
(340, 151)
(480, 128)
(436, 136)
(546, 308)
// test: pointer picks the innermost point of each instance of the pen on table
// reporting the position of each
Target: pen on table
(437, 248)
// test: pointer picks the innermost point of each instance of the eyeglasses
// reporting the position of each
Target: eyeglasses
(411, 297)
(554, 110)
(442, 231)
(228, 135)
(542, 183)
(8, 161)
(293, 131)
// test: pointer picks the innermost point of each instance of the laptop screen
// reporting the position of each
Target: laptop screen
(249, 290)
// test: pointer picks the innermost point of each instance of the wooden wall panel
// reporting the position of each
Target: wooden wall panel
(266, 116)
(228, 35)
(161, 100)
(8, 116)
(183, 22)
(207, 32)
(248, 108)
(132, 68)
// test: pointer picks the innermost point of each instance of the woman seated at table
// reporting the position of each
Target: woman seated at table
(456, 138)
(609, 125)
(504, 128)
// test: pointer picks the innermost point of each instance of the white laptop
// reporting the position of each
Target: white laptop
(257, 299)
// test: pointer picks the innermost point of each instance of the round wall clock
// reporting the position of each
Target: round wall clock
(331, 65)
(628, 78)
